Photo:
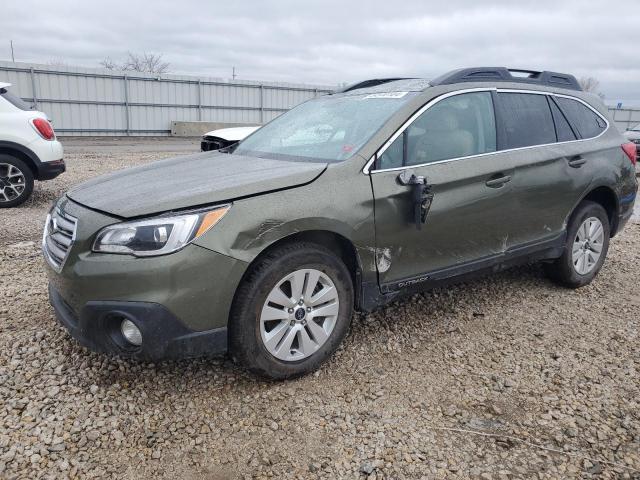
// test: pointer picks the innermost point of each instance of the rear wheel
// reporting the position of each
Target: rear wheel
(16, 181)
(291, 312)
(586, 247)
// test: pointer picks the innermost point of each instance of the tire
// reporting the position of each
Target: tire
(248, 333)
(14, 190)
(564, 270)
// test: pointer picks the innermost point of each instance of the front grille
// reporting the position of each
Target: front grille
(59, 234)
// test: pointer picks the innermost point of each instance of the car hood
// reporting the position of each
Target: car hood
(190, 181)
(232, 134)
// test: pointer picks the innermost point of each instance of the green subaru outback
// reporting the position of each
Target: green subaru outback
(346, 202)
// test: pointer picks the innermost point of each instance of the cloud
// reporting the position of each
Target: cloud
(332, 41)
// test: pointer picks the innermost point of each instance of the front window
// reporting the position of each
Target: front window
(636, 128)
(329, 128)
(458, 126)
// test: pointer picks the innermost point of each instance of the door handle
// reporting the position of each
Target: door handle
(497, 182)
(577, 161)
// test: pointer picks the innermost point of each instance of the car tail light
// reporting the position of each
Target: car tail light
(630, 150)
(44, 128)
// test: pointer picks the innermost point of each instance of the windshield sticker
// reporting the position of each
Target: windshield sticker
(386, 95)
(347, 148)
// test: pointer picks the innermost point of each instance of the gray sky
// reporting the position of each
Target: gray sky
(331, 42)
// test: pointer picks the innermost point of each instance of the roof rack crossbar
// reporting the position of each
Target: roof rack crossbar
(503, 74)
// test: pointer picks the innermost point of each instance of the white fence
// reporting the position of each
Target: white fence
(82, 101)
(625, 117)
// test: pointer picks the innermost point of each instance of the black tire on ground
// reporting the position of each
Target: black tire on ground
(28, 181)
(245, 343)
(562, 270)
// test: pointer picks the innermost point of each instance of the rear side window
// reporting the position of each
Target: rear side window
(587, 123)
(563, 129)
(14, 100)
(527, 120)
(458, 126)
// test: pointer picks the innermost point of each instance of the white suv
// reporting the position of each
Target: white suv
(28, 149)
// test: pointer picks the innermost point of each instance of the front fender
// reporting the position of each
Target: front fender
(336, 203)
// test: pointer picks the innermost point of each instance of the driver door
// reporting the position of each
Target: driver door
(452, 144)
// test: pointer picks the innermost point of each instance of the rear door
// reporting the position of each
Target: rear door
(553, 169)
(452, 144)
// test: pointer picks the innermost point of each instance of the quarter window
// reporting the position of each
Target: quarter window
(527, 120)
(393, 156)
(583, 119)
(458, 126)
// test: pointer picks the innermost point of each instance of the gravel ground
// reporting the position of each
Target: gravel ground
(505, 377)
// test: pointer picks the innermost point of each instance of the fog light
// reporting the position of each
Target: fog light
(131, 333)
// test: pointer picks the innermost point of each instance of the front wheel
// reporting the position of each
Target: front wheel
(291, 312)
(586, 247)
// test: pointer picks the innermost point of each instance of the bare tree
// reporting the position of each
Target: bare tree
(591, 84)
(58, 62)
(145, 62)
(109, 64)
(136, 62)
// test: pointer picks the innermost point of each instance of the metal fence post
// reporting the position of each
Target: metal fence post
(126, 105)
(33, 87)
(199, 100)
(261, 104)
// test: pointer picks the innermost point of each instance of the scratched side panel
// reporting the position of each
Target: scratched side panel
(339, 201)
(466, 220)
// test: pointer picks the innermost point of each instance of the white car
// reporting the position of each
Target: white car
(29, 149)
(224, 137)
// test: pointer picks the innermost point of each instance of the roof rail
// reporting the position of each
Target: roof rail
(503, 74)
(369, 83)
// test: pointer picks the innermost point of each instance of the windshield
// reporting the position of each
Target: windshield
(636, 128)
(327, 128)
(14, 100)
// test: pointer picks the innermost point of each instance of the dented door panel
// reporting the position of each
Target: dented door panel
(467, 219)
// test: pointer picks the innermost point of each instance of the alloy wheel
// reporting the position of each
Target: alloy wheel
(12, 182)
(299, 314)
(587, 246)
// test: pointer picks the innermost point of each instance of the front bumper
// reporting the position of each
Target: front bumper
(97, 327)
(49, 170)
(182, 300)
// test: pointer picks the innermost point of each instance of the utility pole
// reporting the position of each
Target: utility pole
(233, 72)
(13, 58)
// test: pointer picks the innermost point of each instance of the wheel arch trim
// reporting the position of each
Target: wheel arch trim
(338, 243)
(23, 153)
(598, 193)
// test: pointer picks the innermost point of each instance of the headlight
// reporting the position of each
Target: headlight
(156, 236)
